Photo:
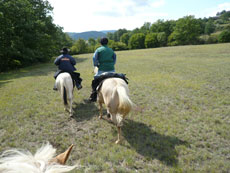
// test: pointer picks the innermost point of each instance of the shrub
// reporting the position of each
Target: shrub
(151, 40)
(224, 36)
(137, 41)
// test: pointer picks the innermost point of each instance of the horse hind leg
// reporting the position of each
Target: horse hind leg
(66, 107)
(119, 122)
(100, 110)
(119, 135)
(70, 107)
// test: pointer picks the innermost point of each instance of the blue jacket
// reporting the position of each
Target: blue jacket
(65, 62)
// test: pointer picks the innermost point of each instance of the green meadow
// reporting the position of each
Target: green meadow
(180, 122)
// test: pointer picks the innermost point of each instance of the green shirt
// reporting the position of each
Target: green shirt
(104, 58)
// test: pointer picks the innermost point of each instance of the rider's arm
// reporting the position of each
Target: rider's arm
(114, 58)
(57, 60)
(72, 60)
(95, 59)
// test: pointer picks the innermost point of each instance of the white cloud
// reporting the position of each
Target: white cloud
(213, 11)
(159, 3)
(224, 6)
(89, 15)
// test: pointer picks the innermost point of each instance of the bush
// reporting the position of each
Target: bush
(208, 39)
(224, 36)
(117, 45)
(212, 39)
(162, 39)
(137, 41)
(151, 40)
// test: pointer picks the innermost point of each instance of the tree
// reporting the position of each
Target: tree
(118, 34)
(117, 45)
(163, 26)
(224, 15)
(110, 36)
(79, 47)
(125, 38)
(151, 40)
(209, 27)
(29, 36)
(187, 31)
(91, 42)
(162, 39)
(145, 28)
(137, 41)
(224, 36)
(135, 31)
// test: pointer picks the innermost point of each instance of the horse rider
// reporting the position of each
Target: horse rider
(104, 59)
(66, 63)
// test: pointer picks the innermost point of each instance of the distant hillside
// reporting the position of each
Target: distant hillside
(89, 34)
(106, 31)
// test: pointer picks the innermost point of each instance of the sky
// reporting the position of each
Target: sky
(98, 15)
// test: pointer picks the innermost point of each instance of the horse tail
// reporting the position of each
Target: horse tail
(125, 104)
(63, 92)
(65, 96)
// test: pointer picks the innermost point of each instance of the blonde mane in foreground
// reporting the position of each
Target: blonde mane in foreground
(43, 161)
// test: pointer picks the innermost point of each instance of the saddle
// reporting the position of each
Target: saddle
(74, 75)
(98, 81)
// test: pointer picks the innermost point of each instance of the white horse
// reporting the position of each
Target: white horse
(64, 85)
(114, 94)
(43, 161)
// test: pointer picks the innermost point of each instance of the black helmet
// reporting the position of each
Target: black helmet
(104, 41)
(64, 50)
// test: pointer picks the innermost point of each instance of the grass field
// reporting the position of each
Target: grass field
(181, 122)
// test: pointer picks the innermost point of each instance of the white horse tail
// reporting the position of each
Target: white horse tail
(125, 104)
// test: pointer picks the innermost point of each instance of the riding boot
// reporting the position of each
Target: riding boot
(93, 96)
(78, 85)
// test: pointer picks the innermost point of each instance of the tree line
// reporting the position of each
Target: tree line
(184, 31)
(28, 34)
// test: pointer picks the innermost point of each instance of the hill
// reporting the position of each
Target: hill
(89, 34)
(181, 121)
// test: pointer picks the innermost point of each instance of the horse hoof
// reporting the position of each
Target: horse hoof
(118, 142)
(100, 117)
(108, 115)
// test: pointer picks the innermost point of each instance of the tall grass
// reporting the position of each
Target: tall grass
(181, 121)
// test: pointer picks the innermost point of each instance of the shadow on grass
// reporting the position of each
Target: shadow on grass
(4, 82)
(33, 70)
(151, 144)
(84, 111)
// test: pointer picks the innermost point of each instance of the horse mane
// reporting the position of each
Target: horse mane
(21, 161)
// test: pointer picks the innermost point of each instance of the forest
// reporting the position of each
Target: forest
(28, 34)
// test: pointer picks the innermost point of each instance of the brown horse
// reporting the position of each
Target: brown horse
(114, 93)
